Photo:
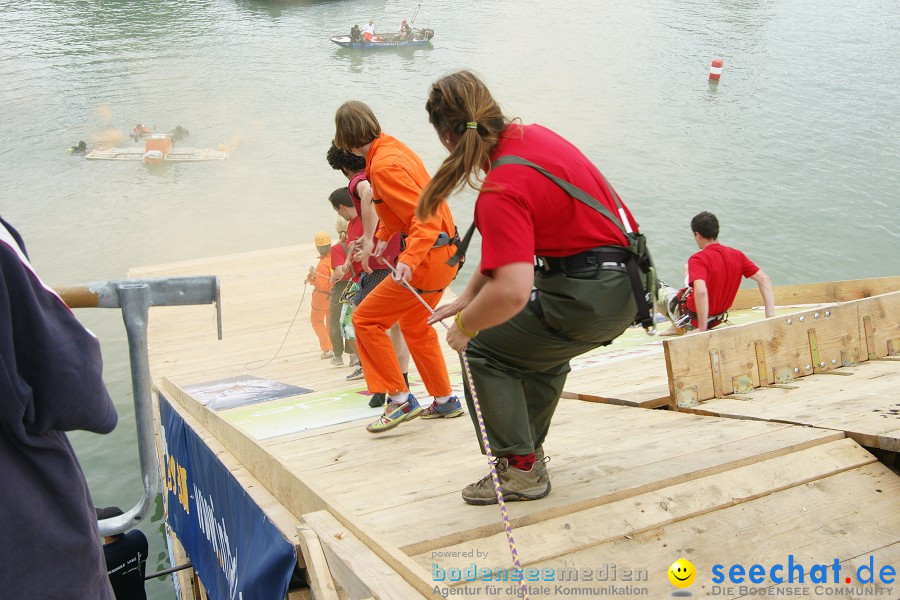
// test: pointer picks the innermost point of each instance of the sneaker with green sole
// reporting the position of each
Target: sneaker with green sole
(394, 414)
(450, 409)
(515, 484)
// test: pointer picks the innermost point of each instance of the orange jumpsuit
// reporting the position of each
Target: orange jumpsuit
(397, 176)
(320, 315)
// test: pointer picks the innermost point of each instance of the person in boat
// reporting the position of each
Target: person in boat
(126, 559)
(138, 131)
(397, 176)
(80, 148)
(320, 278)
(369, 31)
(52, 383)
(405, 31)
(713, 277)
(355, 34)
(519, 342)
(375, 270)
(179, 133)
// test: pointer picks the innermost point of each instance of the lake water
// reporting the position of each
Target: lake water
(796, 149)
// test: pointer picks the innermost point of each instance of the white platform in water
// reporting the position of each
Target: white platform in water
(174, 155)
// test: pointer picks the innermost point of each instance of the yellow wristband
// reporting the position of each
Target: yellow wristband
(462, 328)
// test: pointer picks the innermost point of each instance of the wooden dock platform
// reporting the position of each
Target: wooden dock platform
(633, 489)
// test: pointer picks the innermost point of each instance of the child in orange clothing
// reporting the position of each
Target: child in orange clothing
(397, 176)
(320, 277)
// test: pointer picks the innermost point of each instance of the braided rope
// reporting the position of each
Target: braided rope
(495, 478)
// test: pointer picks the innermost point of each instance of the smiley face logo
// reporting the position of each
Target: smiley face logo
(682, 573)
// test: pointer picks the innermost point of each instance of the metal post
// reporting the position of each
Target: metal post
(135, 297)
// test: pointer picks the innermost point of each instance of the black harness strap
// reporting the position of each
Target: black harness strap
(462, 246)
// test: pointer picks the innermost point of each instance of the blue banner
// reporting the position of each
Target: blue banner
(236, 550)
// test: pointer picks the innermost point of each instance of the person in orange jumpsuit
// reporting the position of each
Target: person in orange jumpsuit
(397, 176)
(320, 278)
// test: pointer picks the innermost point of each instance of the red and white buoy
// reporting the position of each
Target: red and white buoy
(715, 71)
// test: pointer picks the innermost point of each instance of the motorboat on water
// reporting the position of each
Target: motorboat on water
(418, 37)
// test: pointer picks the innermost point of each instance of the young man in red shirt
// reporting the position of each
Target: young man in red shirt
(713, 278)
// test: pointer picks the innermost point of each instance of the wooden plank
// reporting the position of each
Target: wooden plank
(819, 293)
(879, 324)
(319, 576)
(559, 536)
(579, 487)
(356, 568)
(864, 405)
(846, 516)
(638, 381)
(785, 345)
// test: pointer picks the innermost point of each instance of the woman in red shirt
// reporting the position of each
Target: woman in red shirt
(583, 297)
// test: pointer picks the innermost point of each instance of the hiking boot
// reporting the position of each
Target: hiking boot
(356, 374)
(394, 414)
(448, 410)
(337, 361)
(515, 484)
(326, 354)
(354, 361)
(376, 400)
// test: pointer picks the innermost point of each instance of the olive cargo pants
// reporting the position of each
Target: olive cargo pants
(519, 367)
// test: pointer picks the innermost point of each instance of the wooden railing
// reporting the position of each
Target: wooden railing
(776, 351)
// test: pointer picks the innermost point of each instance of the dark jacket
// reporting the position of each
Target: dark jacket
(50, 383)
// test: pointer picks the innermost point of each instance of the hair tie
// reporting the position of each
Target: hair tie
(472, 125)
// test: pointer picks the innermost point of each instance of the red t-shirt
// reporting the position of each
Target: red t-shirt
(391, 252)
(522, 214)
(339, 257)
(721, 268)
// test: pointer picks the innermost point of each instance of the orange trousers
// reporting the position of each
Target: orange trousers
(391, 302)
(320, 321)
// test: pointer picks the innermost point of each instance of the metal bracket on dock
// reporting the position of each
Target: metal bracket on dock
(135, 297)
(741, 384)
(687, 397)
(850, 357)
(893, 347)
(870, 337)
(783, 375)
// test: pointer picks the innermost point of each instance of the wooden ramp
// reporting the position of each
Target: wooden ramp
(836, 367)
(633, 490)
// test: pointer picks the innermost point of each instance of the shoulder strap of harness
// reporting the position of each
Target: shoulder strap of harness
(569, 188)
(645, 317)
